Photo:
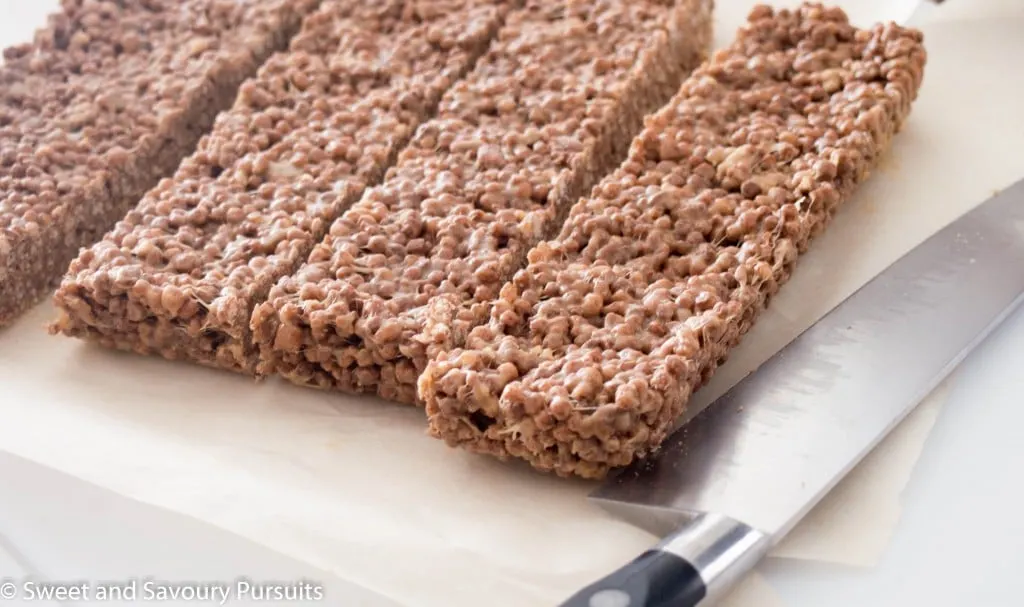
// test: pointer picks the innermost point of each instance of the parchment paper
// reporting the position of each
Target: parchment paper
(355, 486)
(853, 524)
(754, 591)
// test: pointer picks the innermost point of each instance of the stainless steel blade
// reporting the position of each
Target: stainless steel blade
(765, 453)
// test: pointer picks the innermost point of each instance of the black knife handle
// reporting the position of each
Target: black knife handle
(654, 579)
(697, 563)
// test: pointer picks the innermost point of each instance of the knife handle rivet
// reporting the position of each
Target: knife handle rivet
(609, 598)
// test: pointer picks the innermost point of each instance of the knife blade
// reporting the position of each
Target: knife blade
(731, 482)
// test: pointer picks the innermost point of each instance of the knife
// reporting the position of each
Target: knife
(729, 484)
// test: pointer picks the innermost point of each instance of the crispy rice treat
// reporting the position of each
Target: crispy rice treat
(179, 276)
(592, 351)
(106, 100)
(549, 109)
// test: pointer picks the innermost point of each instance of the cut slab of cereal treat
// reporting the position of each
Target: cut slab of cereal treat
(107, 99)
(592, 350)
(550, 108)
(179, 275)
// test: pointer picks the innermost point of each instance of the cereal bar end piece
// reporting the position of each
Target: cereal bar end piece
(593, 350)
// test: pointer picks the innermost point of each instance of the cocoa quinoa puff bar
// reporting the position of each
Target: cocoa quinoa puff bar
(592, 350)
(179, 275)
(107, 99)
(548, 110)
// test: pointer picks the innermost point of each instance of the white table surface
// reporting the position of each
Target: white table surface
(958, 540)
(170, 435)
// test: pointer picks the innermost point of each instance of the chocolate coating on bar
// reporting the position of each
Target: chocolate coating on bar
(549, 110)
(592, 350)
(106, 100)
(179, 276)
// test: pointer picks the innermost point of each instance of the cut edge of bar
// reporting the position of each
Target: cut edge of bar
(443, 425)
(241, 354)
(686, 49)
(61, 240)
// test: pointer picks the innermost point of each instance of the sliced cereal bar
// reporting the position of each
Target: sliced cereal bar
(179, 276)
(107, 99)
(592, 351)
(547, 111)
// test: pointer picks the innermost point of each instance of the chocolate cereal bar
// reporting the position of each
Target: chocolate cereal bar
(179, 276)
(107, 99)
(592, 351)
(547, 111)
